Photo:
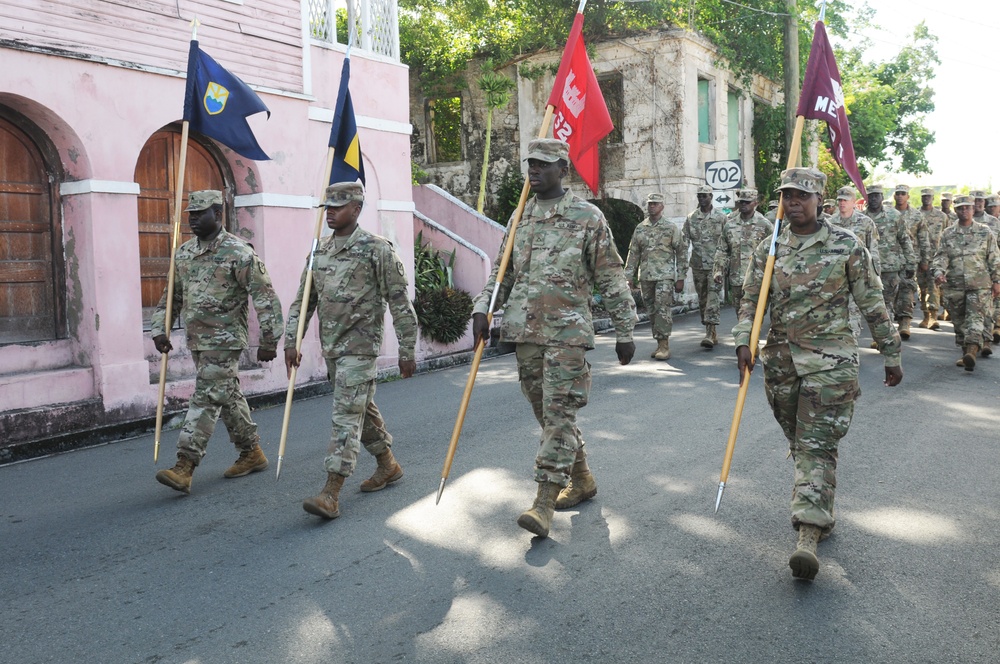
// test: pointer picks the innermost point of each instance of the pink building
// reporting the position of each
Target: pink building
(91, 97)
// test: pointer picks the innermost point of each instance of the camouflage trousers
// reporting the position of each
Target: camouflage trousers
(905, 295)
(814, 412)
(658, 297)
(736, 294)
(216, 393)
(890, 291)
(930, 292)
(356, 419)
(556, 381)
(971, 312)
(709, 302)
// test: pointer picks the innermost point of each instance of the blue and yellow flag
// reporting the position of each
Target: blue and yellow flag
(347, 163)
(217, 104)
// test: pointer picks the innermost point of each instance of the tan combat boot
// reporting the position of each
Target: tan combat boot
(178, 478)
(388, 471)
(538, 519)
(874, 344)
(904, 327)
(987, 349)
(934, 325)
(662, 349)
(804, 562)
(944, 315)
(325, 504)
(926, 322)
(969, 359)
(709, 340)
(581, 487)
(250, 461)
(715, 335)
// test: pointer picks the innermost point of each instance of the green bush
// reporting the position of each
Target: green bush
(443, 314)
(431, 271)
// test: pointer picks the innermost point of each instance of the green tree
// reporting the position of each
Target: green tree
(497, 88)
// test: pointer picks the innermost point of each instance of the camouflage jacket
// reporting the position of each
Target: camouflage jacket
(935, 221)
(916, 226)
(657, 251)
(736, 245)
(350, 289)
(211, 286)
(967, 257)
(814, 279)
(952, 218)
(558, 258)
(862, 226)
(895, 248)
(989, 220)
(702, 232)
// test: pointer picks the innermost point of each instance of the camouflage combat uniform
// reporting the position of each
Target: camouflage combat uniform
(211, 286)
(934, 224)
(736, 245)
(658, 253)
(968, 258)
(811, 357)
(559, 256)
(352, 282)
(702, 231)
(865, 230)
(913, 219)
(896, 254)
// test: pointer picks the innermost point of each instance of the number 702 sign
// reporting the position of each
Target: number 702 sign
(724, 174)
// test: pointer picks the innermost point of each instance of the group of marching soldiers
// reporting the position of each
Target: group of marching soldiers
(927, 255)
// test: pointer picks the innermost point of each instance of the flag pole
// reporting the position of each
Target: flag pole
(176, 233)
(481, 344)
(758, 318)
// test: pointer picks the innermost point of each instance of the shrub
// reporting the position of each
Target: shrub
(443, 314)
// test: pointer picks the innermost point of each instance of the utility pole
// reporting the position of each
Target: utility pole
(791, 74)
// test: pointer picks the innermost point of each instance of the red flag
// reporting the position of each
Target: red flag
(581, 116)
(822, 98)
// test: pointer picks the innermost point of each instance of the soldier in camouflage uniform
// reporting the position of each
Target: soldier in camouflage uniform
(933, 224)
(658, 254)
(215, 272)
(895, 249)
(980, 215)
(967, 267)
(355, 273)
(946, 199)
(864, 228)
(772, 211)
(993, 209)
(914, 222)
(811, 358)
(702, 230)
(829, 207)
(562, 250)
(741, 234)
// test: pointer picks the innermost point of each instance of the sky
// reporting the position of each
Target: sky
(966, 120)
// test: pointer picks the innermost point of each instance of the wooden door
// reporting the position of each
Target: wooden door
(156, 173)
(30, 308)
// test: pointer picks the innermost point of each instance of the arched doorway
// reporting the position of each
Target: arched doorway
(156, 174)
(32, 287)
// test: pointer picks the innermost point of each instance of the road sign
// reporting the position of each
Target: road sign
(724, 199)
(724, 174)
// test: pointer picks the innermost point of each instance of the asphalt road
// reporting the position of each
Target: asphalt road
(102, 564)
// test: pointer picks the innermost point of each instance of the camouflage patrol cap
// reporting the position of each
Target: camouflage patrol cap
(992, 200)
(772, 204)
(963, 200)
(946, 196)
(704, 189)
(846, 194)
(746, 195)
(654, 198)
(202, 200)
(875, 189)
(548, 149)
(342, 193)
(902, 189)
(829, 203)
(803, 179)
(926, 191)
(977, 193)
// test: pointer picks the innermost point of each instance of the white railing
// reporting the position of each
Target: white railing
(370, 25)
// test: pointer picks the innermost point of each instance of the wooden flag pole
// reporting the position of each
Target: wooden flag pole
(758, 319)
(481, 344)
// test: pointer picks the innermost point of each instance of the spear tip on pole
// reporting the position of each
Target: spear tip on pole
(277, 475)
(718, 498)
(440, 490)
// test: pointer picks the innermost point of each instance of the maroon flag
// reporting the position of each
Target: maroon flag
(581, 116)
(822, 98)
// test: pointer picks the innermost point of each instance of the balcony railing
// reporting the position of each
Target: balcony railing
(371, 25)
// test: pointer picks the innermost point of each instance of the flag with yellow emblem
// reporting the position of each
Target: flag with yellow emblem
(347, 163)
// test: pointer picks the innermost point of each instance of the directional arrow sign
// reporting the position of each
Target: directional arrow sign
(724, 199)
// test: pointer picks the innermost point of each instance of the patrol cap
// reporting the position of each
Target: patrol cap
(829, 202)
(654, 198)
(875, 189)
(946, 196)
(704, 189)
(804, 179)
(548, 149)
(772, 204)
(963, 200)
(846, 194)
(926, 191)
(992, 200)
(202, 200)
(977, 193)
(342, 193)
(902, 189)
(746, 195)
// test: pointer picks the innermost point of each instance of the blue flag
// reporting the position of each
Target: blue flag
(217, 104)
(347, 163)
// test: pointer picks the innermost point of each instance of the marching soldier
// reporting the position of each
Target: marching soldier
(980, 215)
(864, 228)
(741, 234)
(216, 272)
(702, 230)
(829, 207)
(914, 222)
(946, 199)
(658, 253)
(895, 251)
(772, 211)
(934, 223)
